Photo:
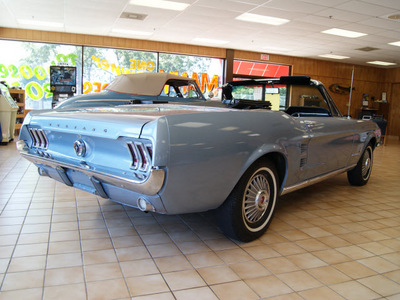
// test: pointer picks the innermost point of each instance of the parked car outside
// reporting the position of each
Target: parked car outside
(236, 155)
(141, 88)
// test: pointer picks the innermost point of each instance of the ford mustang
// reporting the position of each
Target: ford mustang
(265, 138)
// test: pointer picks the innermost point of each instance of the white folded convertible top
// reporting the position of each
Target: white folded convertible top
(149, 84)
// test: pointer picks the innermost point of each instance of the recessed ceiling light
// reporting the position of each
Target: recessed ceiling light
(395, 43)
(163, 4)
(345, 33)
(40, 23)
(210, 41)
(381, 63)
(333, 56)
(131, 32)
(248, 17)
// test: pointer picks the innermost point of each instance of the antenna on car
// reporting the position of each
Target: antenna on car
(351, 89)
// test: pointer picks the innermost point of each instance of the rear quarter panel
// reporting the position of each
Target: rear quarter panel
(209, 152)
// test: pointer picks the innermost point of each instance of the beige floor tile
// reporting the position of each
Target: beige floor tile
(183, 280)
(28, 263)
(354, 290)
(193, 247)
(203, 293)
(237, 290)
(64, 247)
(129, 241)
(207, 259)
(250, 269)
(96, 244)
(132, 253)
(163, 250)
(316, 232)
(287, 248)
(333, 241)
(328, 275)
(395, 275)
(354, 252)
(70, 291)
(234, 256)
(278, 265)
(147, 285)
(320, 293)
(71, 235)
(295, 235)
(107, 289)
(64, 260)
(23, 280)
(299, 280)
(64, 276)
(331, 256)
(218, 274)
(155, 239)
(160, 296)
(26, 294)
(173, 263)
(381, 285)
(378, 264)
(33, 238)
(312, 245)
(102, 272)
(99, 257)
(138, 267)
(268, 286)
(221, 244)
(306, 261)
(261, 252)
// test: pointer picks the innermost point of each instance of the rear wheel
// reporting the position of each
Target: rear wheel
(360, 174)
(247, 212)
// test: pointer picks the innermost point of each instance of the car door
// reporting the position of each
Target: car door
(331, 135)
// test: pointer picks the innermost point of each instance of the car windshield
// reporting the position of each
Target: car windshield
(186, 90)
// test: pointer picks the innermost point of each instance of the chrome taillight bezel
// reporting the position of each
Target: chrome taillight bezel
(141, 154)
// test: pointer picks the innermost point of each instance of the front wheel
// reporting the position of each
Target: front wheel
(247, 212)
(360, 174)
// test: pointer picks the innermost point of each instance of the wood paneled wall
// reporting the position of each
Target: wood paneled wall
(369, 80)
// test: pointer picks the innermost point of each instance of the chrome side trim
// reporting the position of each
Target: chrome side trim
(151, 186)
(312, 181)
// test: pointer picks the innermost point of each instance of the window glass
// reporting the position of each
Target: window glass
(206, 70)
(101, 65)
(27, 65)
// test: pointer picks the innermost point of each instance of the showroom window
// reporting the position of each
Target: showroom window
(206, 70)
(28, 64)
(101, 65)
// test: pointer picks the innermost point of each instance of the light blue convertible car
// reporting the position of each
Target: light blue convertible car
(264, 139)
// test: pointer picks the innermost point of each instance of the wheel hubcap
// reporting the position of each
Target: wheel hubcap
(366, 167)
(256, 198)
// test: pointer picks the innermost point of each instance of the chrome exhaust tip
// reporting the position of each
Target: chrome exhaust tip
(144, 205)
(42, 172)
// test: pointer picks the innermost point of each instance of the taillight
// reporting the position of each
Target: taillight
(142, 155)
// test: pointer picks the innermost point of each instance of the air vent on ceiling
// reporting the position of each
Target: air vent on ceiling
(367, 49)
(133, 16)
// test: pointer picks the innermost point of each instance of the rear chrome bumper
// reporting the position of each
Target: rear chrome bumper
(150, 186)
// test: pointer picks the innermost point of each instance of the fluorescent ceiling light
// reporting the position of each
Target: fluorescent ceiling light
(210, 41)
(395, 43)
(381, 63)
(345, 33)
(131, 32)
(40, 23)
(163, 4)
(333, 56)
(261, 19)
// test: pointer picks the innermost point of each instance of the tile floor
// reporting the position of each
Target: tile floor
(328, 241)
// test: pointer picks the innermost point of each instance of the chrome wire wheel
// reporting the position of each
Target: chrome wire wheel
(366, 163)
(259, 198)
(256, 198)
